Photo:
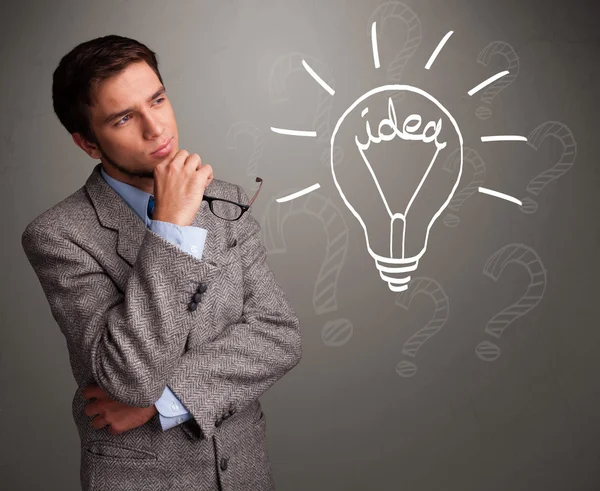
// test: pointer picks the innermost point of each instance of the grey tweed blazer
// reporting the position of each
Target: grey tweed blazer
(121, 296)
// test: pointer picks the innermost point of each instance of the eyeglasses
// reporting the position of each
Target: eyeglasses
(230, 210)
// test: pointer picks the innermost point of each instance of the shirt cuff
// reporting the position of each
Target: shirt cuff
(169, 405)
(168, 423)
(190, 239)
(170, 410)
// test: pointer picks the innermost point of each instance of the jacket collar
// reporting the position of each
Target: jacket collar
(134, 197)
(114, 213)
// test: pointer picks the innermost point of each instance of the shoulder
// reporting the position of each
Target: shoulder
(219, 188)
(64, 215)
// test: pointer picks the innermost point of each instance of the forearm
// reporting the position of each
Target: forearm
(130, 341)
(235, 369)
(190, 239)
(146, 334)
(247, 357)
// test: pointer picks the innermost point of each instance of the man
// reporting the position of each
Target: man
(175, 324)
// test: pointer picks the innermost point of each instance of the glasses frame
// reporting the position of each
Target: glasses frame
(244, 208)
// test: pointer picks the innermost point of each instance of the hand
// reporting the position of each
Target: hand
(179, 188)
(119, 416)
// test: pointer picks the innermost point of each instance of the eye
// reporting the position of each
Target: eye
(118, 123)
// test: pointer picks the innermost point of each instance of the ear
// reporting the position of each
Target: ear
(87, 147)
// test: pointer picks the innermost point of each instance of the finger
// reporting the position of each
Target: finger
(113, 431)
(99, 422)
(92, 391)
(179, 158)
(206, 173)
(193, 162)
(92, 409)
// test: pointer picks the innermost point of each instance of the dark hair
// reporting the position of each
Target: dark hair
(81, 71)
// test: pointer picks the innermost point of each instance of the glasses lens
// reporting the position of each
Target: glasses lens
(225, 210)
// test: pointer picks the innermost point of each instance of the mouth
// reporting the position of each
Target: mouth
(163, 149)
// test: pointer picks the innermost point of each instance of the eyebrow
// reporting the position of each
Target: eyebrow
(113, 116)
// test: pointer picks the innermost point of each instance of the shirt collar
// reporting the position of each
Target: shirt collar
(134, 197)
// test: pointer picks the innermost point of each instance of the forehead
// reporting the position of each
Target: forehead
(130, 87)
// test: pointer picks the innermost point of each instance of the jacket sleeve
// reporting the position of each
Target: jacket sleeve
(228, 373)
(128, 341)
(190, 239)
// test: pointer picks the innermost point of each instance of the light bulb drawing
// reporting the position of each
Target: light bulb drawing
(394, 266)
(410, 222)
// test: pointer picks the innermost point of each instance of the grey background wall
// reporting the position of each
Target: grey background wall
(484, 373)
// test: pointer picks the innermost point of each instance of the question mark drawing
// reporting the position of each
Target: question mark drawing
(430, 287)
(451, 164)
(565, 162)
(336, 332)
(507, 51)
(246, 128)
(282, 69)
(526, 257)
(397, 10)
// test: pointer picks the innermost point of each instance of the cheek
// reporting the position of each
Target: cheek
(128, 144)
(170, 119)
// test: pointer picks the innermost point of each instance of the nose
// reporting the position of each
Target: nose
(153, 126)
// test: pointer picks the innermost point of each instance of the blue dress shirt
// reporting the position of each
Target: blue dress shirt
(191, 240)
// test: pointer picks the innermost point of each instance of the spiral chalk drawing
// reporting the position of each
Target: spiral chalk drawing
(325, 293)
(477, 179)
(525, 257)
(564, 135)
(505, 50)
(441, 311)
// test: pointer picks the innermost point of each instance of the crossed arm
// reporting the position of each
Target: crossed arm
(132, 343)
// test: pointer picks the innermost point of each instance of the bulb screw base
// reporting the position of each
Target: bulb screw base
(395, 272)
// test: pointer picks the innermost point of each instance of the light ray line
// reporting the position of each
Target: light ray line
(283, 131)
(500, 195)
(297, 194)
(496, 138)
(493, 78)
(320, 81)
(374, 43)
(438, 49)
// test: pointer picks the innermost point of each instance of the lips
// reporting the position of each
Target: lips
(162, 146)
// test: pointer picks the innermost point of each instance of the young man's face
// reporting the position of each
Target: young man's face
(126, 141)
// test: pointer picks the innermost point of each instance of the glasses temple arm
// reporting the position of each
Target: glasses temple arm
(258, 179)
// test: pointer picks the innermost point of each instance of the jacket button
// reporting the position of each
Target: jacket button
(197, 297)
(202, 287)
(193, 306)
(223, 464)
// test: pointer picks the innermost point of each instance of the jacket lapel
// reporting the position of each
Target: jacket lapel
(115, 214)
